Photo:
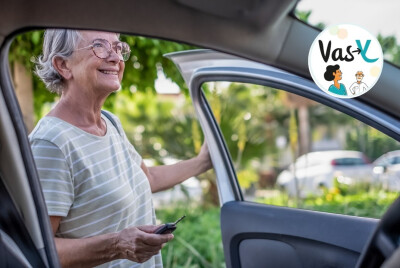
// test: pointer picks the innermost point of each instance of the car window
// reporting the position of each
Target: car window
(156, 113)
(396, 160)
(267, 130)
(349, 161)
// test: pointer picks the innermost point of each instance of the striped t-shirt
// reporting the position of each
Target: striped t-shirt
(94, 183)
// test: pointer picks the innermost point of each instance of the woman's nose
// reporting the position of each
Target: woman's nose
(113, 56)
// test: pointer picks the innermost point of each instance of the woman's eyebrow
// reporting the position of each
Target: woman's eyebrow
(98, 39)
(102, 39)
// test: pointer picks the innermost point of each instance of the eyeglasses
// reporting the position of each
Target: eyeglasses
(102, 49)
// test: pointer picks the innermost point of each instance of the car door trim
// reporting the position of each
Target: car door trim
(48, 252)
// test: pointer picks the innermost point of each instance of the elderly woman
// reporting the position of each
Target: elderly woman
(96, 186)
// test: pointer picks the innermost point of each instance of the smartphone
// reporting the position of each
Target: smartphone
(168, 228)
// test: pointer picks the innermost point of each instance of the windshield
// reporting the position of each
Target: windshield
(380, 18)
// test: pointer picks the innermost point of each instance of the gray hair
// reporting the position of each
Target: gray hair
(57, 43)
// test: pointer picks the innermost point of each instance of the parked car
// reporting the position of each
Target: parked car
(317, 170)
(270, 46)
(387, 171)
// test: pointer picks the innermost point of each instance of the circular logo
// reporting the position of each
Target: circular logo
(345, 60)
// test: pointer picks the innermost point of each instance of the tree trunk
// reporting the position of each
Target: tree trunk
(304, 130)
(24, 91)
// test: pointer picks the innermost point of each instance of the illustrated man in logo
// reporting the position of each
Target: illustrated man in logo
(358, 87)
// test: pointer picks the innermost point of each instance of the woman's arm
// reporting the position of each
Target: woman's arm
(137, 244)
(165, 177)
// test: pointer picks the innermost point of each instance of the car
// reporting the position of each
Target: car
(317, 170)
(387, 171)
(258, 42)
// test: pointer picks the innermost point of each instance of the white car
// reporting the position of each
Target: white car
(387, 170)
(319, 169)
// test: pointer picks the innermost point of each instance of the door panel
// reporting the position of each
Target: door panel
(256, 235)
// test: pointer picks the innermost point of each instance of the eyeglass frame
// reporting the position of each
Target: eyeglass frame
(121, 57)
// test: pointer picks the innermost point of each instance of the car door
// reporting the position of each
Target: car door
(26, 238)
(262, 235)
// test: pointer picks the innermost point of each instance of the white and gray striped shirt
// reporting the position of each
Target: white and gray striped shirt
(94, 183)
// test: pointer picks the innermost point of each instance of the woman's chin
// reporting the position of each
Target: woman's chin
(113, 87)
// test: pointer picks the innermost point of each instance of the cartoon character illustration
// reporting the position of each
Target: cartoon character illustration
(333, 73)
(358, 87)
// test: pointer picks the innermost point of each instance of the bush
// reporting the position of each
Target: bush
(197, 241)
(356, 200)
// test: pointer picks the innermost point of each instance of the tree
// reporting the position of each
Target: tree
(140, 72)
(391, 51)
(22, 54)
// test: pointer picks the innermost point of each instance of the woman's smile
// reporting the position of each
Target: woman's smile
(109, 72)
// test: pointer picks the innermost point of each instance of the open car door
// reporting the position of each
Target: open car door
(262, 235)
(26, 238)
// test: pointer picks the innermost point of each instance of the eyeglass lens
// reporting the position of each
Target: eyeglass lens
(102, 49)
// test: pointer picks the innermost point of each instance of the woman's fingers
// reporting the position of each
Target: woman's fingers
(139, 243)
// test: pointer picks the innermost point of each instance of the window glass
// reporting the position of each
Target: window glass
(348, 161)
(267, 130)
(396, 160)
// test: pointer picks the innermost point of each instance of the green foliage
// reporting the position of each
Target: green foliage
(370, 141)
(146, 58)
(157, 125)
(304, 16)
(390, 48)
(356, 200)
(249, 125)
(246, 178)
(371, 204)
(140, 70)
(26, 47)
(197, 241)
(359, 136)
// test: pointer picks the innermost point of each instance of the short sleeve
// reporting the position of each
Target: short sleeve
(134, 154)
(55, 177)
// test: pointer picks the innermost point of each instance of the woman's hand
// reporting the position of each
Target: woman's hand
(139, 244)
(204, 157)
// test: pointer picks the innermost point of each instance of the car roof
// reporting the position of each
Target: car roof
(391, 153)
(333, 154)
(263, 31)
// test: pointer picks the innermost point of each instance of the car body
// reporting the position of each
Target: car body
(387, 170)
(317, 170)
(264, 43)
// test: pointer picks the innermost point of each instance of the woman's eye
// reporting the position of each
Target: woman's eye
(98, 45)
(118, 48)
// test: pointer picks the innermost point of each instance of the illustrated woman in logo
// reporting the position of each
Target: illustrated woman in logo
(333, 73)
(358, 86)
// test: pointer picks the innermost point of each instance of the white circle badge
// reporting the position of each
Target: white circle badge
(345, 60)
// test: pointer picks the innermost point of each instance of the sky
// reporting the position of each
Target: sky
(379, 16)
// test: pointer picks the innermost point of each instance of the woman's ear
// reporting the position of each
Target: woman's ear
(60, 64)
